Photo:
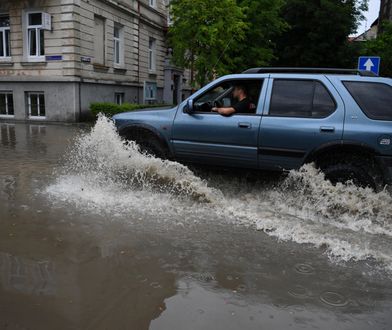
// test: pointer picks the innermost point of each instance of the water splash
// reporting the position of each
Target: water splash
(104, 173)
(350, 222)
(106, 160)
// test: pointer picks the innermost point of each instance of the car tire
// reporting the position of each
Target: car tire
(153, 147)
(149, 144)
(363, 172)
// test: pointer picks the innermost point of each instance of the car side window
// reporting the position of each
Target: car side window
(301, 98)
(375, 99)
(222, 96)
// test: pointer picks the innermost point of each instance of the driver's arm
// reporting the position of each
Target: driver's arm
(224, 111)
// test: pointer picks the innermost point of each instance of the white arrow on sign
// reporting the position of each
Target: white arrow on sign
(369, 64)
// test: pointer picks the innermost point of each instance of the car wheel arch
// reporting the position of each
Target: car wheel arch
(144, 129)
(353, 147)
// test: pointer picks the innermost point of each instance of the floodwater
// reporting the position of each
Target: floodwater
(95, 235)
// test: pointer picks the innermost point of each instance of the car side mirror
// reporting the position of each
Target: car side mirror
(189, 108)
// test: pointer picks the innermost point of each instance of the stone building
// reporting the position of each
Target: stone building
(58, 56)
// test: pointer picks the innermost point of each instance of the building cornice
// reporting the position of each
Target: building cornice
(122, 6)
(136, 12)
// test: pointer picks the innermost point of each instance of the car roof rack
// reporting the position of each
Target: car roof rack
(362, 73)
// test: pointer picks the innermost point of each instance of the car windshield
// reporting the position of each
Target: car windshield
(215, 94)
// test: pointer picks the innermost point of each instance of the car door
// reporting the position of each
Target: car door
(210, 138)
(302, 113)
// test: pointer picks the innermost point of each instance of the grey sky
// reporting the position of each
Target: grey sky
(371, 15)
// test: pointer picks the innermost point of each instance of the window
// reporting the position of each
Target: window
(35, 37)
(6, 104)
(36, 105)
(222, 96)
(99, 40)
(152, 3)
(150, 91)
(301, 98)
(152, 55)
(5, 43)
(118, 46)
(119, 98)
(375, 99)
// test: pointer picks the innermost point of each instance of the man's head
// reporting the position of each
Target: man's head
(240, 92)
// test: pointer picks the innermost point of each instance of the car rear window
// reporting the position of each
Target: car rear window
(301, 98)
(375, 99)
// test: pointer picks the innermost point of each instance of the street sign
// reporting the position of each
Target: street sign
(85, 59)
(369, 63)
(54, 57)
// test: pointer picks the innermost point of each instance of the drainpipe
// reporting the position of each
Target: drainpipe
(138, 53)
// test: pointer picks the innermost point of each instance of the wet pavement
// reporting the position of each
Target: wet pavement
(79, 252)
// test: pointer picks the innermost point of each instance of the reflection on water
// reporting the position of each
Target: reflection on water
(7, 133)
(27, 276)
(98, 254)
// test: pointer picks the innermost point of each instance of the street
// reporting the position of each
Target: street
(95, 235)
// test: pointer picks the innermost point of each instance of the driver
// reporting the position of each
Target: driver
(244, 104)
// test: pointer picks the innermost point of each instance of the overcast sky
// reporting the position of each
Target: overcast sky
(371, 15)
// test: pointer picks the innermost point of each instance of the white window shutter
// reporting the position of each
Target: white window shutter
(46, 21)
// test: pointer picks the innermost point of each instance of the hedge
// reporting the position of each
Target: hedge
(110, 109)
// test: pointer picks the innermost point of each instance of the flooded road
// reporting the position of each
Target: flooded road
(95, 235)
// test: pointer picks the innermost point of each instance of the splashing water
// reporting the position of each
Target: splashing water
(104, 173)
(106, 160)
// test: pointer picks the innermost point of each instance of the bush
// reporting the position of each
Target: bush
(111, 109)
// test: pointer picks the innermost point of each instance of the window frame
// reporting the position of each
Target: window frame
(152, 57)
(263, 85)
(122, 98)
(120, 41)
(145, 90)
(152, 3)
(28, 102)
(7, 115)
(359, 103)
(3, 30)
(38, 57)
(272, 82)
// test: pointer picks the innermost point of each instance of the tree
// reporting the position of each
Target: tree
(201, 33)
(265, 25)
(382, 46)
(318, 33)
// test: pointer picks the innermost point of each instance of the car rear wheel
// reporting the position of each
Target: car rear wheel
(362, 171)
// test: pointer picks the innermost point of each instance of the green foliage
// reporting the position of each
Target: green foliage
(265, 25)
(202, 31)
(318, 32)
(111, 109)
(213, 38)
(382, 46)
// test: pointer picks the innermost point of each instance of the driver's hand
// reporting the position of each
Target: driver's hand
(214, 109)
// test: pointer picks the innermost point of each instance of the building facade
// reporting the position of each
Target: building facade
(59, 56)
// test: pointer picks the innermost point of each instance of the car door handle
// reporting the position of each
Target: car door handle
(327, 129)
(244, 125)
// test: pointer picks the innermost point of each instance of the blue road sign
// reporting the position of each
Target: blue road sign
(369, 63)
